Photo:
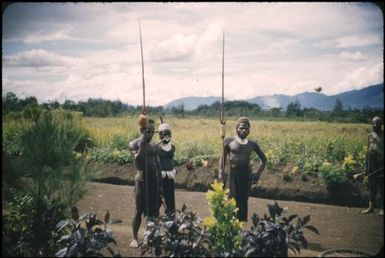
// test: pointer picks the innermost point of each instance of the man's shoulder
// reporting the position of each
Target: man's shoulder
(228, 140)
(134, 143)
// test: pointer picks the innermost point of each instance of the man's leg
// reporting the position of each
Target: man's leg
(381, 189)
(372, 195)
(137, 220)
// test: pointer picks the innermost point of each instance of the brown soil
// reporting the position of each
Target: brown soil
(339, 226)
(279, 184)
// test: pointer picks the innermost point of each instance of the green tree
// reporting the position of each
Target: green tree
(50, 179)
(338, 107)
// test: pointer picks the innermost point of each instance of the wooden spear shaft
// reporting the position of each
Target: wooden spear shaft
(222, 113)
(144, 111)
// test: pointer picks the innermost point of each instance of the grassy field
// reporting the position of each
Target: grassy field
(307, 144)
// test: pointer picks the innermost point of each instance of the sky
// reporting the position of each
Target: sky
(76, 51)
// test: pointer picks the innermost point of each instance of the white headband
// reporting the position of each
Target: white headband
(164, 126)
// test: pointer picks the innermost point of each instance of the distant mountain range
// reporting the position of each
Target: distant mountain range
(371, 96)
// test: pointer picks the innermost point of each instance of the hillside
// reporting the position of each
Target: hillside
(371, 96)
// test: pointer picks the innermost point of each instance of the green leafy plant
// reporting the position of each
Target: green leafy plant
(223, 227)
(50, 177)
(274, 235)
(92, 240)
(28, 228)
(332, 175)
(180, 235)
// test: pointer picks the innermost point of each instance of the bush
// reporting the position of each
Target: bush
(113, 155)
(89, 241)
(223, 226)
(181, 235)
(332, 176)
(274, 235)
(29, 225)
(50, 179)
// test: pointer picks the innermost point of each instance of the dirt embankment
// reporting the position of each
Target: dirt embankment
(277, 184)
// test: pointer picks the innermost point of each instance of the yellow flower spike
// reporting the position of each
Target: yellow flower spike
(78, 155)
(217, 186)
(209, 221)
(232, 202)
(210, 195)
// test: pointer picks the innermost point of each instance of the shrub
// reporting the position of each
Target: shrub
(274, 235)
(89, 241)
(181, 235)
(53, 179)
(28, 228)
(223, 227)
(332, 176)
(109, 155)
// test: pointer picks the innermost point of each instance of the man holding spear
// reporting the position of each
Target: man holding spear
(148, 187)
(374, 165)
(239, 150)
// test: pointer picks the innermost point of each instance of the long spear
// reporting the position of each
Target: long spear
(222, 113)
(144, 112)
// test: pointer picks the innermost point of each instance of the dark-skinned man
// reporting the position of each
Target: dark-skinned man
(148, 187)
(239, 150)
(374, 165)
(166, 156)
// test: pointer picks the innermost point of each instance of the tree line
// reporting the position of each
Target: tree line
(29, 107)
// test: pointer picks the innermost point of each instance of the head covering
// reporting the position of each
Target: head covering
(243, 119)
(164, 126)
(377, 118)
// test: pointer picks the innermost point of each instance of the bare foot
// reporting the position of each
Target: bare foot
(134, 244)
(381, 212)
(367, 211)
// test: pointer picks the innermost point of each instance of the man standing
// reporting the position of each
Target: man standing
(239, 150)
(166, 156)
(147, 180)
(374, 165)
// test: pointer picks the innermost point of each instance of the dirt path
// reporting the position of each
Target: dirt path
(340, 227)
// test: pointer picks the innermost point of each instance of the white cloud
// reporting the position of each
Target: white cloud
(42, 36)
(361, 77)
(353, 56)
(358, 41)
(41, 58)
(178, 47)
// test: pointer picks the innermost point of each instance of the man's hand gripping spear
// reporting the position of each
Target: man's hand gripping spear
(144, 122)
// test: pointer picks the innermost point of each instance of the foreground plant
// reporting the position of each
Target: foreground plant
(89, 241)
(222, 235)
(223, 226)
(275, 234)
(181, 235)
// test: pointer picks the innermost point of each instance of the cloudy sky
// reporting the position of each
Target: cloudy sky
(76, 51)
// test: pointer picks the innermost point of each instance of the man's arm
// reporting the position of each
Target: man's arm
(222, 160)
(262, 162)
(159, 172)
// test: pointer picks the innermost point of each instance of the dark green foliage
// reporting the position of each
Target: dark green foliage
(110, 155)
(183, 236)
(179, 236)
(92, 240)
(48, 179)
(294, 109)
(273, 235)
(28, 228)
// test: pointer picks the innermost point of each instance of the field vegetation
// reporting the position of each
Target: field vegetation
(47, 149)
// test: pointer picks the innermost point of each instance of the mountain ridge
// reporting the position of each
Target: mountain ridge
(368, 97)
